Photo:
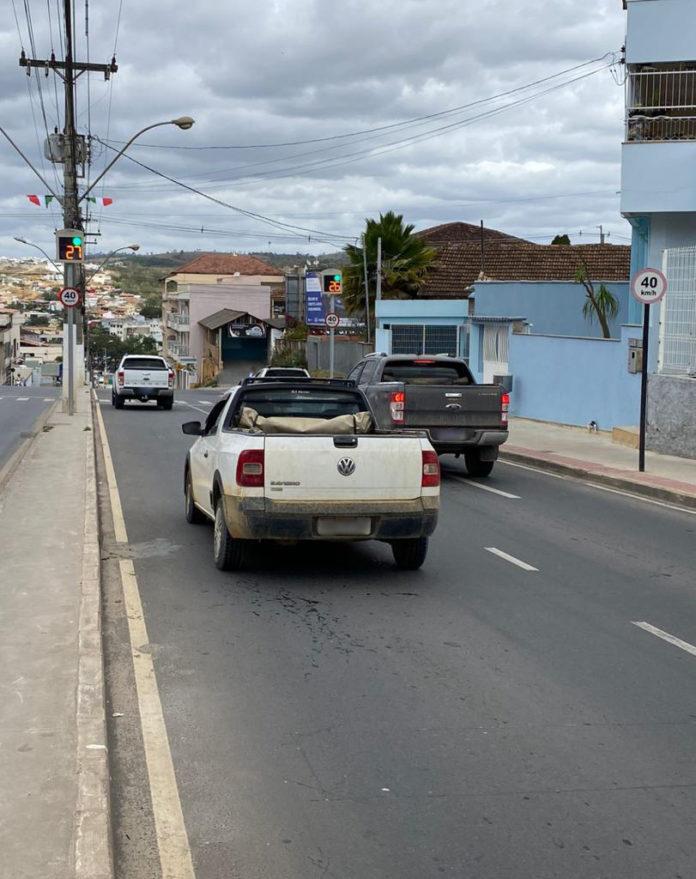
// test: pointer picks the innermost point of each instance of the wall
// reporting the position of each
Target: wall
(671, 415)
(658, 177)
(346, 354)
(574, 380)
(435, 312)
(205, 300)
(660, 30)
(550, 306)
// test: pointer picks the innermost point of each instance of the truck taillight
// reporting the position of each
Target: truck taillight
(431, 470)
(171, 378)
(396, 407)
(250, 468)
(120, 376)
(504, 406)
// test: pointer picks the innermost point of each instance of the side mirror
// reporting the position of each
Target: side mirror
(192, 428)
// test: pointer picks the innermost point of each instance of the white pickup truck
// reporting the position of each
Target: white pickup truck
(293, 460)
(143, 377)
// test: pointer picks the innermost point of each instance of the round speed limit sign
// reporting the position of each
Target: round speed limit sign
(648, 286)
(332, 320)
(69, 297)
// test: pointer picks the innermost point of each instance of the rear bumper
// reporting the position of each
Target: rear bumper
(260, 519)
(459, 440)
(145, 393)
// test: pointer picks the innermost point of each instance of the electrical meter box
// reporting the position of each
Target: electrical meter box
(635, 355)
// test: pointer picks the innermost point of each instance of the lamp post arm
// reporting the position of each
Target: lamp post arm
(118, 156)
(31, 244)
(57, 197)
(101, 266)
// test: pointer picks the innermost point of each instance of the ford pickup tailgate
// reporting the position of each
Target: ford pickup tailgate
(343, 468)
(146, 378)
(452, 406)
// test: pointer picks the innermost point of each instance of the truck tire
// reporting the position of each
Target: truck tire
(410, 553)
(193, 514)
(118, 401)
(475, 466)
(228, 553)
(165, 404)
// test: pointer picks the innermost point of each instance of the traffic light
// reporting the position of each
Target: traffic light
(333, 283)
(70, 245)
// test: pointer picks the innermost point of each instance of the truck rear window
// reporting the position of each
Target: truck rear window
(144, 363)
(426, 372)
(300, 404)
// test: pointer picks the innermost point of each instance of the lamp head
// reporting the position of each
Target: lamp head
(184, 122)
(134, 246)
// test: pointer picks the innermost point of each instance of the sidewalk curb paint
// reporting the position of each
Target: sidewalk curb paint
(93, 849)
(16, 458)
(598, 477)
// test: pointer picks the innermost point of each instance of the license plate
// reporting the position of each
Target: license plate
(345, 526)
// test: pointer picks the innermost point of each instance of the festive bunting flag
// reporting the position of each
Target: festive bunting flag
(102, 201)
(44, 200)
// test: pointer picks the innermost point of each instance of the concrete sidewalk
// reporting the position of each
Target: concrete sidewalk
(593, 456)
(54, 820)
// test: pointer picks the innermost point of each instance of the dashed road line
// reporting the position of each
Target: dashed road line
(21, 399)
(510, 558)
(533, 469)
(489, 488)
(670, 639)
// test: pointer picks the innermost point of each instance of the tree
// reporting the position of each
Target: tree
(104, 346)
(561, 239)
(405, 263)
(150, 312)
(601, 304)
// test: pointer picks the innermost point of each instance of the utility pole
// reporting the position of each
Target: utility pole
(73, 272)
(378, 288)
(367, 289)
(601, 234)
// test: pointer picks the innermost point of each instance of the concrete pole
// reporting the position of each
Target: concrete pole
(367, 289)
(378, 291)
(332, 350)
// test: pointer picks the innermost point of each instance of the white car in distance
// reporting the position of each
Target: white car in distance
(301, 461)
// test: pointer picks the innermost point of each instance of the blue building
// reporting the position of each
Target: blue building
(658, 197)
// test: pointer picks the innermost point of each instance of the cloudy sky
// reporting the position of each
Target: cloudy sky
(311, 116)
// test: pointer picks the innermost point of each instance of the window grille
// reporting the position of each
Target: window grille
(677, 350)
(422, 339)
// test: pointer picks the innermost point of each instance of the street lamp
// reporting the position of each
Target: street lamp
(30, 244)
(183, 122)
(132, 247)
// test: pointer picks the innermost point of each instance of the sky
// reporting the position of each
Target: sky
(311, 116)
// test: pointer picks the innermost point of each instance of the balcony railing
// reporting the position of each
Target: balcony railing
(661, 104)
(176, 349)
(177, 321)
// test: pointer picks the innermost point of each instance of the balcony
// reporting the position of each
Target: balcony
(661, 103)
(177, 321)
(177, 349)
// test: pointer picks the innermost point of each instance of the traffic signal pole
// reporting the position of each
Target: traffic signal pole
(71, 211)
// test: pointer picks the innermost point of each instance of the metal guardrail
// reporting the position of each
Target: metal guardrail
(661, 104)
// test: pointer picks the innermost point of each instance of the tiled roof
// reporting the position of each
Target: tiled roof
(460, 233)
(458, 266)
(226, 264)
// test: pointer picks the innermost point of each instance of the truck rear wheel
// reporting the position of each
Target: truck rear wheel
(118, 401)
(228, 553)
(475, 466)
(410, 553)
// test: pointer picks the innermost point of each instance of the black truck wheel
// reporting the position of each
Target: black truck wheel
(410, 553)
(228, 553)
(475, 466)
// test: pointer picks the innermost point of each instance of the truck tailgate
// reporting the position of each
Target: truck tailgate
(307, 468)
(146, 378)
(452, 406)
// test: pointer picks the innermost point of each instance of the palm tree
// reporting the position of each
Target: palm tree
(601, 303)
(405, 263)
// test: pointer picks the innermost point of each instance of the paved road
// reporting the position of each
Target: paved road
(329, 716)
(20, 408)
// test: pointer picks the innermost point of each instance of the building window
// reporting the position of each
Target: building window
(661, 102)
(423, 339)
(677, 352)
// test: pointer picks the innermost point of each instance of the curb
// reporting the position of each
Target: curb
(93, 847)
(629, 485)
(16, 458)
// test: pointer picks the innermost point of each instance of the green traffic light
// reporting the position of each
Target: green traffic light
(77, 240)
(337, 277)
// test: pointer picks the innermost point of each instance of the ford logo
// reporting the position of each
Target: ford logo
(346, 466)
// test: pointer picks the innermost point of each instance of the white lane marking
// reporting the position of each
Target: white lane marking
(640, 497)
(191, 406)
(670, 639)
(205, 402)
(533, 469)
(463, 481)
(510, 558)
(21, 399)
(48, 399)
(172, 840)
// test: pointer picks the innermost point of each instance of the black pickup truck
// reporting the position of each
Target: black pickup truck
(437, 393)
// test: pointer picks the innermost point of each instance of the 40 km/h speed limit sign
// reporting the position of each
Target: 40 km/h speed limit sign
(648, 286)
(332, 320)
(69, 297)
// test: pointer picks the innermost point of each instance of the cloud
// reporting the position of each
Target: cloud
(299, 70)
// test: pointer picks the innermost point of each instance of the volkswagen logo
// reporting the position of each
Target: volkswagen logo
(346, 466)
